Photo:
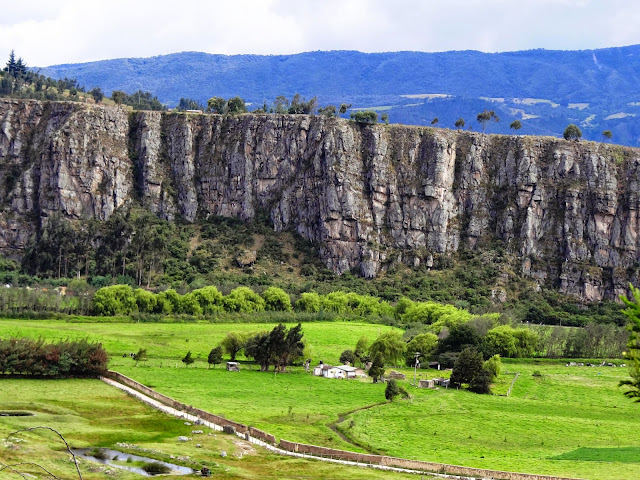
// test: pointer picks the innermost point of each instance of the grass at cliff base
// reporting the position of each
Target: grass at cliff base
(171, 341)
(90, 413)
(570, 421)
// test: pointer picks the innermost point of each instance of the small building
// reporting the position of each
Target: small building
(426, 384)
(329, 371)
(233, 367)
(434, 365)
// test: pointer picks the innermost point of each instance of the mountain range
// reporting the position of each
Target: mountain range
(544, 89)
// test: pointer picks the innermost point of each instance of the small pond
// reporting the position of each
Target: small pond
(11, 413)
(117, 459)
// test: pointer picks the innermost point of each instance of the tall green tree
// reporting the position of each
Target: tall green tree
(233, 343)
(140, 356)
(572, 132)
(467, 366)
(459, 123)
(633, 346)
(389, 346)
(215, 356)
(516, 125)
(118, 97)
(484, 117)
(188, 359)
(216, 105)
(376, 371)
(235, 106)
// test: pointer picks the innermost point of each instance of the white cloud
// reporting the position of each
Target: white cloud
(46, 32)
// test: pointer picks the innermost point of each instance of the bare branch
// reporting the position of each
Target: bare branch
(75, 461)
(13, 470)
(30, 463)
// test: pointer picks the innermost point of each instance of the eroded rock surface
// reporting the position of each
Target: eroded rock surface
(369, 196)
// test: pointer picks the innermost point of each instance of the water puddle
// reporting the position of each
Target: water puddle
(117, 459)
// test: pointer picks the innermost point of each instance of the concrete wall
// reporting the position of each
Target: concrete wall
(239, 427)
(410, 464)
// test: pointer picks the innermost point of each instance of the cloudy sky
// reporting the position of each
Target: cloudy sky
(47, 32)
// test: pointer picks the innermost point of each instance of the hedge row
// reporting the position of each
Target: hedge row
(63, 359)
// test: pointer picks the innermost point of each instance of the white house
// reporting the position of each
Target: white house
(341, 371)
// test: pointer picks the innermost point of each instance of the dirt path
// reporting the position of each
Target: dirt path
(341, 418)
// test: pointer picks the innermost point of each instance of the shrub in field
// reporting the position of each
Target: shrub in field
(309, 302)
(210, 299)
(347, 356)
(188, 359)
(115, 300)
(493, 366)
(243, 299)
(425, 343)
(277, 299)
(389, 346)
(391, 390)
(66, 358)
(145, 300)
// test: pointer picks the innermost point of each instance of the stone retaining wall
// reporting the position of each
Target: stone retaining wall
(410, 464)
(239, 427)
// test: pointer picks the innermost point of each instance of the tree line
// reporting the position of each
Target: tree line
(79, 358)
(279, 348)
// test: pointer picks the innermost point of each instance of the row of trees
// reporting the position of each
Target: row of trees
(17, 80)
(279, 348)
(124, 300)
(139, 100)
(63, 359)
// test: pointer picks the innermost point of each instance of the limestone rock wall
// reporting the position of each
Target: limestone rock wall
(369, 196)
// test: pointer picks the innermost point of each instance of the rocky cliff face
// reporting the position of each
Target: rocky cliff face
(369, 196)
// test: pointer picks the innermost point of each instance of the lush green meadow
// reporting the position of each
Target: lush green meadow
(571, 421)
(171, 341)
(91, 413)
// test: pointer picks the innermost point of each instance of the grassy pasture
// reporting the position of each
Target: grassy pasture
(571, 421)
(91, 413)
(173, 340)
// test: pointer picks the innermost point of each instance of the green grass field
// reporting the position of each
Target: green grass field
(91, 413)
(171, 341)
(571, 421)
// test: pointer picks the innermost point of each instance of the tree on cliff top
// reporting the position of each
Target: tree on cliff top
(484, 117)
(572, 132)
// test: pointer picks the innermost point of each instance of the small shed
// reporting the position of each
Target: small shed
(233, 367)
(434, 365)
